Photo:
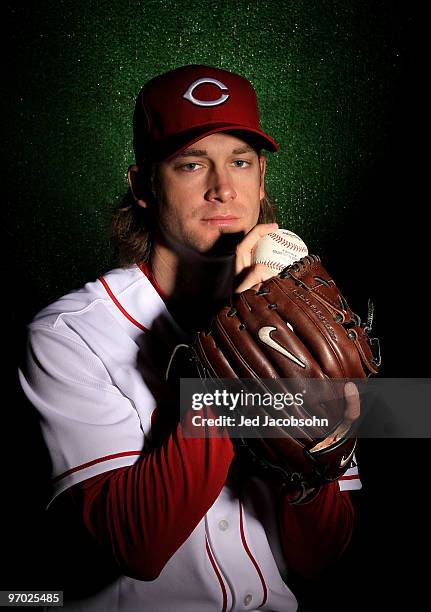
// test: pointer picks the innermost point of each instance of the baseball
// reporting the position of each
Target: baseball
(279, 249)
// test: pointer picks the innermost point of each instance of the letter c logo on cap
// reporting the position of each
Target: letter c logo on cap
(189, 93)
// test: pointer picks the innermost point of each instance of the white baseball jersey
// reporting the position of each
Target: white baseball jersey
(94, 375)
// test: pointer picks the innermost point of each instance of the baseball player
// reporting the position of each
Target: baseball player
(183, 531)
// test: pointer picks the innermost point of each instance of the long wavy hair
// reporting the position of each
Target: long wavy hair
(132, 227)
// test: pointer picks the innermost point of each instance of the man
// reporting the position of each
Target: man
(181, 527)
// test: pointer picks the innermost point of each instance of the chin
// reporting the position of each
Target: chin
(225, 245)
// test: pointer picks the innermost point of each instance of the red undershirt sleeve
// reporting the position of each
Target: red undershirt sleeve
(144, 512)
(316, 533)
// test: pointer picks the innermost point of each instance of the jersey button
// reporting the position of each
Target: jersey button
(223, 525)
(248, 599)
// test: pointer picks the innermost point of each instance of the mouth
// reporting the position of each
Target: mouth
(221, 220)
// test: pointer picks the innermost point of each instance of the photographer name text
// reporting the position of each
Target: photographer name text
(257, 421)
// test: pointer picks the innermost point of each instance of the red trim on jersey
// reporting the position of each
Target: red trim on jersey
(119, 306)
(145, 268)
(354, 477)
(220, 579)
(253, 560)
(94, 461)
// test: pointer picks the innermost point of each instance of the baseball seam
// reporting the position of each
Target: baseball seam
(288, 244)
(272, 264)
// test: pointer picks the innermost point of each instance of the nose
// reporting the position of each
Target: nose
(220, 187)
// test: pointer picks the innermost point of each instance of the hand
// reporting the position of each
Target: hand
(351, 414)
(246, 273)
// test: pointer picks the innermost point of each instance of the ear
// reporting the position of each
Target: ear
(133, 179)
(262, 163)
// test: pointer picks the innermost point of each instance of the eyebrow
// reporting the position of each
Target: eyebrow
(204, 153)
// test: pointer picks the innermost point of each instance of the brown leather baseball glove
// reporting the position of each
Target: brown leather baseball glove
(295, 328)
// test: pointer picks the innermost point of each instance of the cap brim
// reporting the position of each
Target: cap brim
(174, 145)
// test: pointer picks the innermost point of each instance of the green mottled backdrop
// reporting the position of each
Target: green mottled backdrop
(323, 70)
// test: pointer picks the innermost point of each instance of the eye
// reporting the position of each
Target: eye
(190, 167)
(241, 163)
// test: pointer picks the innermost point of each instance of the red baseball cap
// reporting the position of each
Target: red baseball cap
(181, 106)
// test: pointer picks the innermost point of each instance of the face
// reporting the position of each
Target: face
(210, 194)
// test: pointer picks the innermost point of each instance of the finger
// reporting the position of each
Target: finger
(245, 248)
(353, 402)
(253, 276)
